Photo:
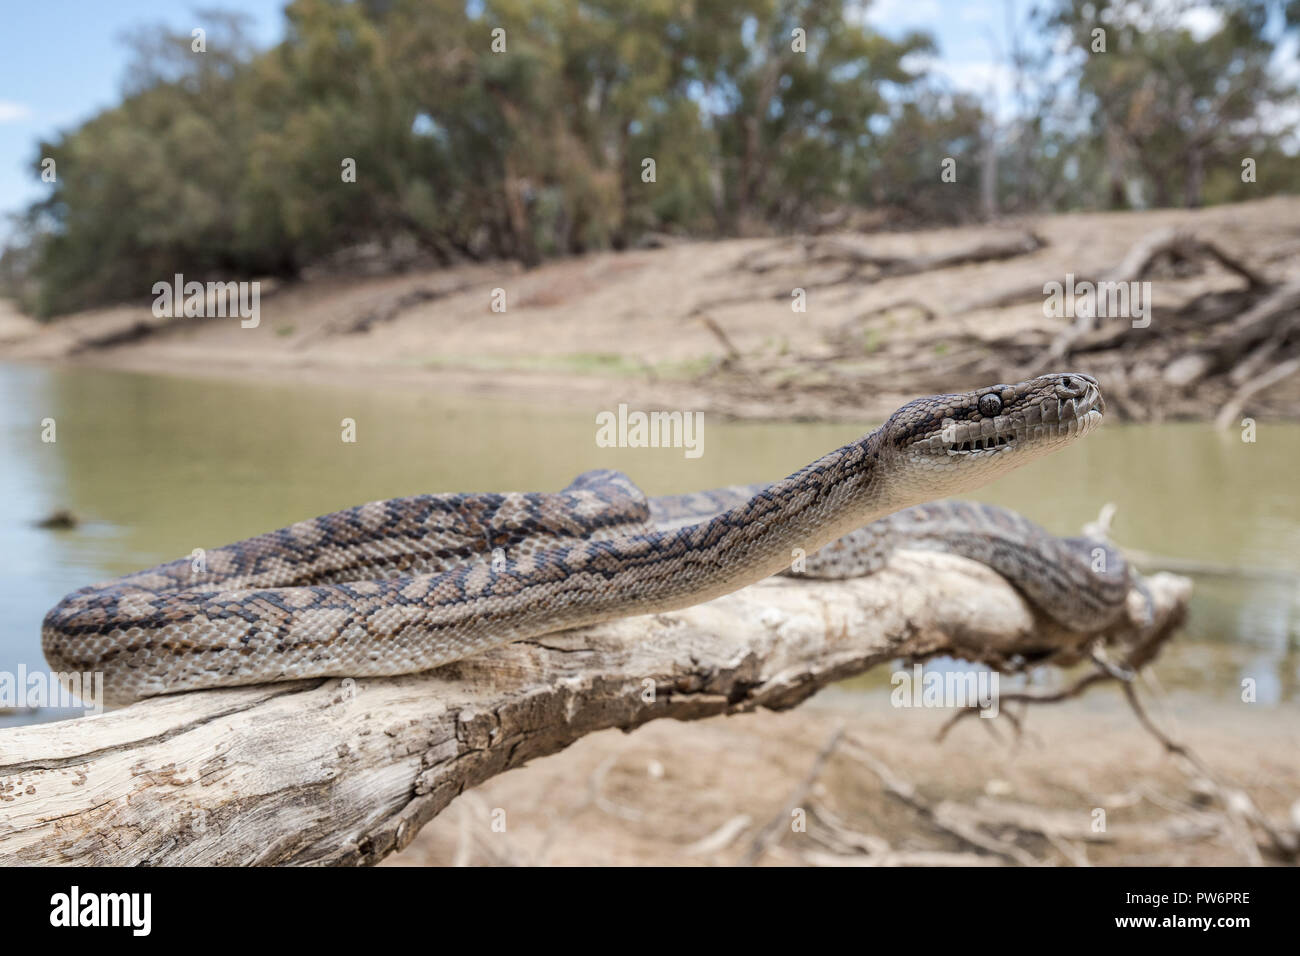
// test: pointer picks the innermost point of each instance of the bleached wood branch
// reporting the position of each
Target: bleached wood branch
(343, 772)
(1135, 264)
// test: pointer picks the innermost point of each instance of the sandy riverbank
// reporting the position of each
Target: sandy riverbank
(700, 793)
(705, 325)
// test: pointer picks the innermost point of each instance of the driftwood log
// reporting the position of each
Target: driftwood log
(345, 772)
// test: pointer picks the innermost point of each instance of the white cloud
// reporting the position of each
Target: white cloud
(895, 15)
(990, 82)
(975, 76)
(10, 111)
(969, 76)
(1201, 22)
(1286, 60)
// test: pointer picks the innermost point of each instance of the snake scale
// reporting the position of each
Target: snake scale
(407, 584)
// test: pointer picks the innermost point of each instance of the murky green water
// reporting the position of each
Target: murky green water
(155, 467)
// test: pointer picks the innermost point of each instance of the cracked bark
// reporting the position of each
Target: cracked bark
(345, 772)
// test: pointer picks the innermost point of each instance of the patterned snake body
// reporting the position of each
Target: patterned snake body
(1080, 583)
(406, 584)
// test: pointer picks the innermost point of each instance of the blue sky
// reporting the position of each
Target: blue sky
(61, 61)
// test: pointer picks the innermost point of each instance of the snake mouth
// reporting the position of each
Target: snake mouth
(1075, 409)
(1087, 411)
(993, 443)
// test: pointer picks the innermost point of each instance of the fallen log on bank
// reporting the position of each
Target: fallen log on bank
(345, 772)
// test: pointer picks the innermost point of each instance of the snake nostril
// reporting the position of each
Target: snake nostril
(1072, 386)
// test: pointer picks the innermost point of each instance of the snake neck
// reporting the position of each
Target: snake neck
(759, 536)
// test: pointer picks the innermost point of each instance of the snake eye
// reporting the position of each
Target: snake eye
(990, 405)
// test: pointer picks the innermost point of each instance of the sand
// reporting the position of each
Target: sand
(699, 793)
(634, 323)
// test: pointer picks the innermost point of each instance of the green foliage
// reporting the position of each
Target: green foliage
(758, 117)
(1171, 115)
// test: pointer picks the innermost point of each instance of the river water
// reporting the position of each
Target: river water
(154, 467)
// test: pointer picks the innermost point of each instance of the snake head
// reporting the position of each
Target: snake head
(948, 442)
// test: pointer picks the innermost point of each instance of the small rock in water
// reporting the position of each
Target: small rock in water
(58, 520)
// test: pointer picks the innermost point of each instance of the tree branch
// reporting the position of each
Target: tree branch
(345, 772)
